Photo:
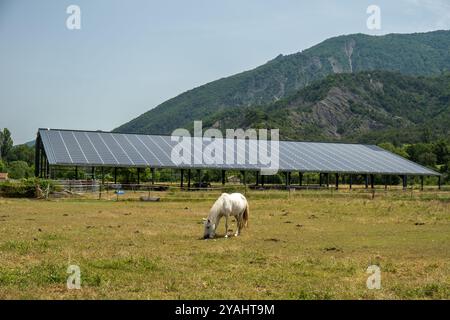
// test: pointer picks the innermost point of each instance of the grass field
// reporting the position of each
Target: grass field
(306, 245)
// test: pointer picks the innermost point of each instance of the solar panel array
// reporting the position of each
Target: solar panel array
(89, 148)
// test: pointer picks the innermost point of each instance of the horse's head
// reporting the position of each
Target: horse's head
(210, 229)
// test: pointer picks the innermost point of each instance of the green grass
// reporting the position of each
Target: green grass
(306, 245)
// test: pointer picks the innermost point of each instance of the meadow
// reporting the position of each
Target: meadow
(299, 245)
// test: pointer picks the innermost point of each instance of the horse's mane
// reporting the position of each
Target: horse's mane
(217, 206)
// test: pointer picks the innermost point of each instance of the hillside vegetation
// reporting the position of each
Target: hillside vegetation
(369, 107)
(411, 54)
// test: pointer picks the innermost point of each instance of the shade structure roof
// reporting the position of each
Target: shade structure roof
(106, 149)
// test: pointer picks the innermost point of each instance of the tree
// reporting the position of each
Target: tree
(445, 169)
(21, 153)
(427, 159)
(442, 151)
(415, 150)
(6, 143)
(19, 170)
(2, 166)
(397, 150)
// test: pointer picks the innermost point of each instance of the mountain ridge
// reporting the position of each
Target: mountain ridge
(411, 54)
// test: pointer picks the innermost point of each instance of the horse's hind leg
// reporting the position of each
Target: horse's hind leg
(238, 223)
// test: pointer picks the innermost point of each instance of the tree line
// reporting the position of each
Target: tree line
(17, 161)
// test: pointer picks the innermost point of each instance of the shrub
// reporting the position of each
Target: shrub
(16, 190)
(19, 170)
(25, 188)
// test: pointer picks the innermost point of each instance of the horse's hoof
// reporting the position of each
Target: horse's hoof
(226, 236)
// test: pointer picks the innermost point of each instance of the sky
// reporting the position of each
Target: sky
(130, 56)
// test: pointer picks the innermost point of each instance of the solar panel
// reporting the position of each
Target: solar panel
(88, 148)
(105, 153)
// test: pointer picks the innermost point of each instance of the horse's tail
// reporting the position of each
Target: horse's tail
(244, 220)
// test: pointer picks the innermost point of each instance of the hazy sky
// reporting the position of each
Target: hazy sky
(129, 56)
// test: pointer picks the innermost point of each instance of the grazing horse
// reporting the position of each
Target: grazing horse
(227, 205)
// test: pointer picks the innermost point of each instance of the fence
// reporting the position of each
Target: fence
(94, 189)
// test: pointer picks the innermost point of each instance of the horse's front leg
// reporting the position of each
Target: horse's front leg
(226, 226)
(238, 231)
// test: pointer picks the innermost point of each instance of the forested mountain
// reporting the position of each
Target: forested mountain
(410, 54)
(371, 107)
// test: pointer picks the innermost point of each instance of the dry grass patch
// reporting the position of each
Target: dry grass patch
(305, 246)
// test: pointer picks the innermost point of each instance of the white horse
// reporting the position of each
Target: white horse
(227, 205)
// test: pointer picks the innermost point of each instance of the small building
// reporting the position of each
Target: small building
(3, 176)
